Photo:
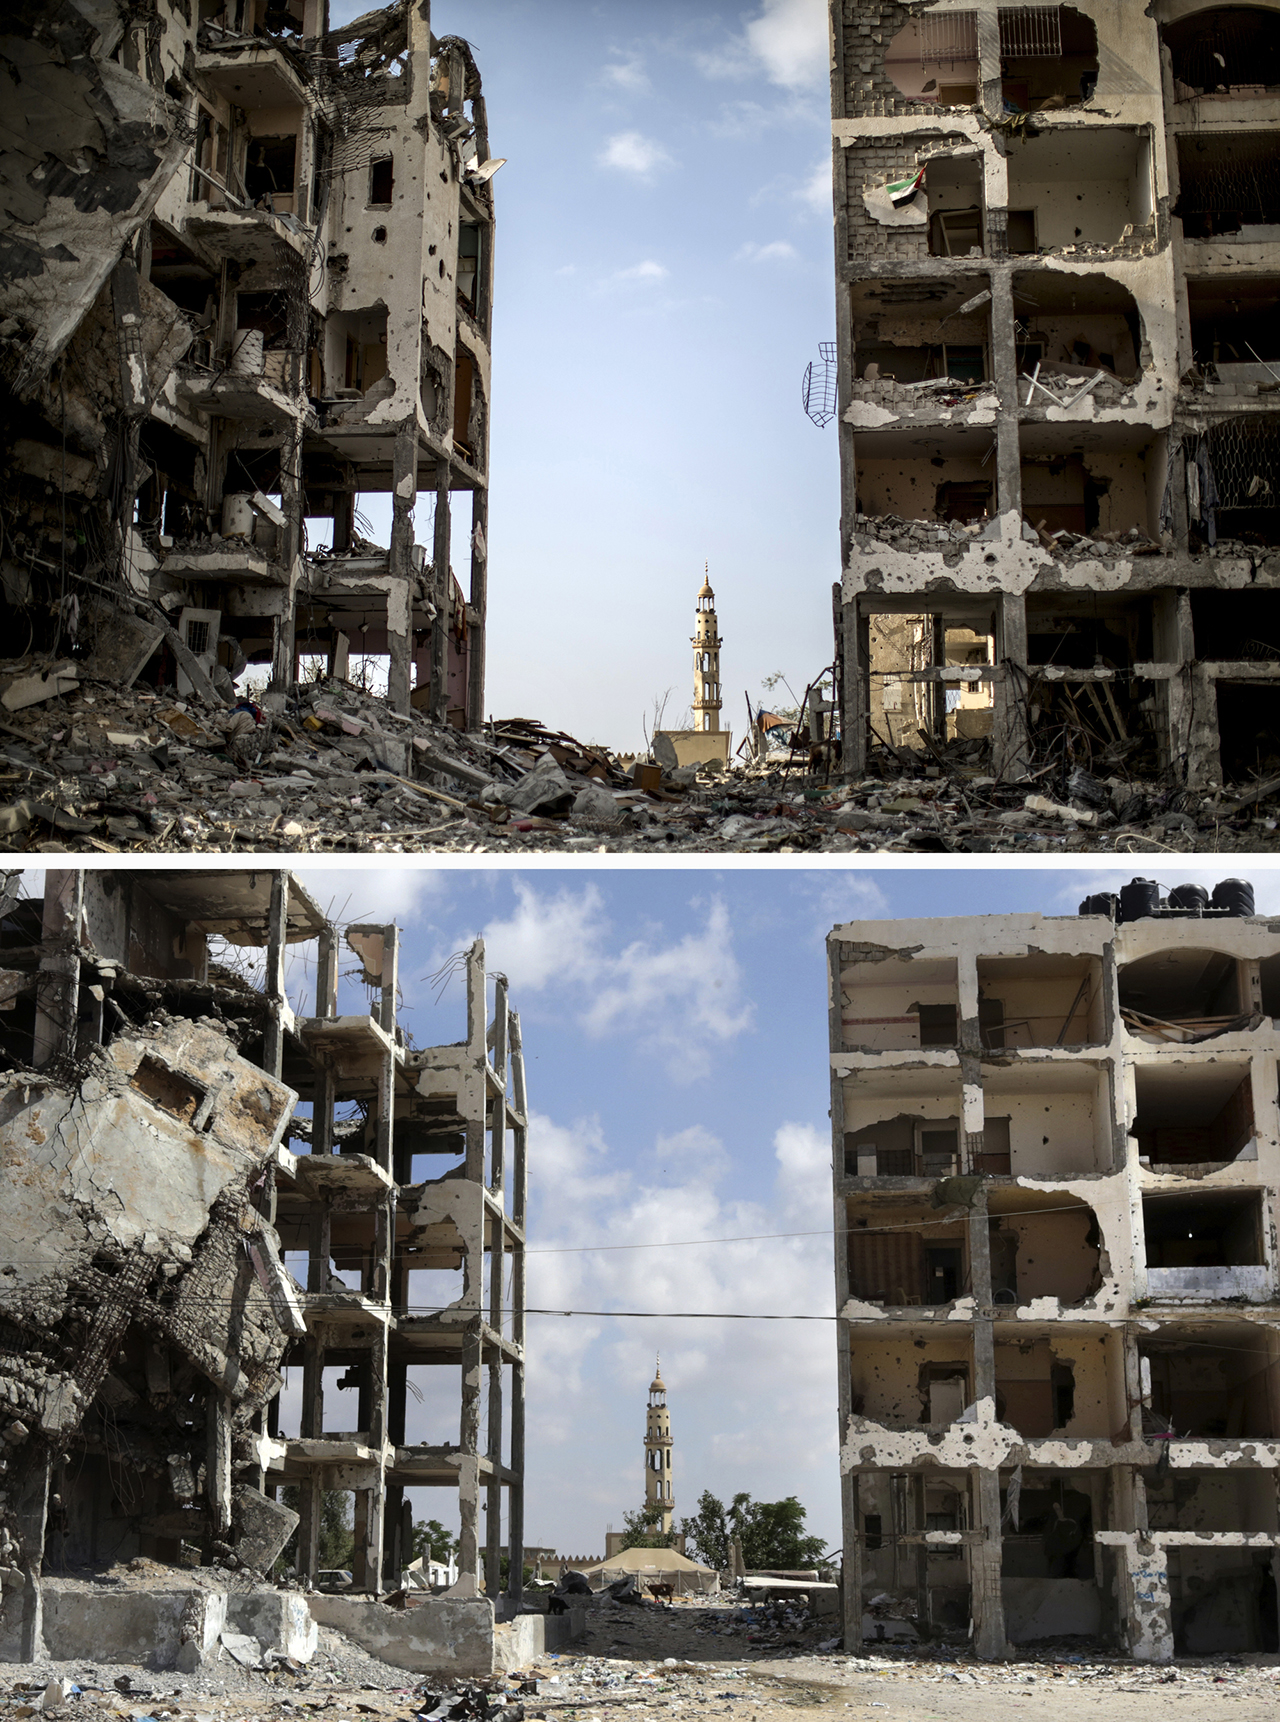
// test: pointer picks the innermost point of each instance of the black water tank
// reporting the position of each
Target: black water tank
(1189, 897)
(1103, 903)
(1138, 898)
(1234, 895)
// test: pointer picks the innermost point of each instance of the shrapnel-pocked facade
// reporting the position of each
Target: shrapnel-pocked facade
(245, 277)
(1056, 1162)
(1058, 268)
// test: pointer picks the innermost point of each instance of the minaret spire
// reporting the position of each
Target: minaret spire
(706, 659)
(657, 1451)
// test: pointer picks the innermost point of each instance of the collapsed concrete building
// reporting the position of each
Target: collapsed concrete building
(1058, 268)
(246, 268)
(1056, 1157)
(179, 1141)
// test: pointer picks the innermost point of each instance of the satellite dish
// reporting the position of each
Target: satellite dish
(486, 169)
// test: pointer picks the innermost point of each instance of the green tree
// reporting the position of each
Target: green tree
(432, 1542)
(336, 1541)
(643, 1530)
(771, 1532)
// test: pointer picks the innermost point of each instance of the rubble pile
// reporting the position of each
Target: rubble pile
(926, 396)
(338, 770)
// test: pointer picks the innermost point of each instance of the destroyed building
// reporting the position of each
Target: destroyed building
(245, 278)
(209, 1188)
(1058, 271)
(1056, 1157)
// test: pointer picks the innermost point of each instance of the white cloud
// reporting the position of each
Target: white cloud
(684, 998)
(633, 153)
(649, 270)
(778, 250)
(379, 894)
(553, 936)
(815, 192)
(627, 74)
(677, 1000)
(752, 1401)
(788, 41)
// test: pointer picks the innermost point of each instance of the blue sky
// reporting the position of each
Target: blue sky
(675, 1034)
(664, 274)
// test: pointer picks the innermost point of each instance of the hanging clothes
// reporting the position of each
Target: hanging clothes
(1172, 450)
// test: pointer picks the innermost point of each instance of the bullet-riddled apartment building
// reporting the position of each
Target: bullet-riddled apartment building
(246, 264)
(1058, 365)
(1057, 1150)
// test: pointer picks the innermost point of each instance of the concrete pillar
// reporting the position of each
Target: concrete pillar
(515, 1490)
(1173, 642)
(443, 595)
(292, 502)
(218, 1461)
(273, 980)
(30, 1517)
(985, 1556)
(311, 1417)
(1011, 739)
(309, 1503)
(854, 693)
(469, 1465)
(479, 607)
(320, 1220)
(58, 979)
(404, 494)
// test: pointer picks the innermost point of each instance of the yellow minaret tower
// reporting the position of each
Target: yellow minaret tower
(706, 660)
(657, 1444)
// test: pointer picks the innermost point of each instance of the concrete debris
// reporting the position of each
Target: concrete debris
(146, 1312)
(337, 770)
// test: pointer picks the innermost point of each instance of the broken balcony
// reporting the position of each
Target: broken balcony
(257, 386)
(251, 72)
(934, 60)
(944, 503)
(903, 1256)
(922, 1141)
(1042, 1001)
(921, 351)
(1087, 188)
(1046, 1119)
(929, 1388)
(1204, 1247)
(1235, 335)
(1080, 345)
(1229, 186)
(1054, 1255)
(1057, 1385)
(1193, 1118)
(897, 1005)
(1208, 1384)
(1183, 994)
(1223, 57)
(1048, 58)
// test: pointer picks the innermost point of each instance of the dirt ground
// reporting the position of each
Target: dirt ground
(682, 1664)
